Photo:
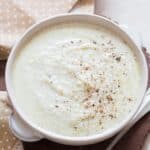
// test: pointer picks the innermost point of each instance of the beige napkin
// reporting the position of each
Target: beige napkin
(15, 17)
(7, 140)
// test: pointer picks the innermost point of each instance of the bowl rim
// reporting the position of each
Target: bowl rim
(55, 136)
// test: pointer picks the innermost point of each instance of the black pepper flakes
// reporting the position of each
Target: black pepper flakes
(109, 42)
(106, 92)
(97, 90)
(94, 42)
(86, 68)
(118, 59)
(75, 127)
(93, 105)
(100, 122)
(129, 99)
(71, 42)
(111, 116)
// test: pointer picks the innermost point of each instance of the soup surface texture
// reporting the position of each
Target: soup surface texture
(76, 79)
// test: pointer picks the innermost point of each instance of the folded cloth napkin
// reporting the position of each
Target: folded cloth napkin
(17, 15)
(7, 140)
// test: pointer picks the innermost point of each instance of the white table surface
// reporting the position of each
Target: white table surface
(133, 13)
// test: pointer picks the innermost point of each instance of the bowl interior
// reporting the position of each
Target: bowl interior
(77, 18)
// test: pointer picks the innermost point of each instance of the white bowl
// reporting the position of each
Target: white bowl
(27, 131)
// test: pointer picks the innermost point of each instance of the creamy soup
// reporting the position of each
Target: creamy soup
(76, 79)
